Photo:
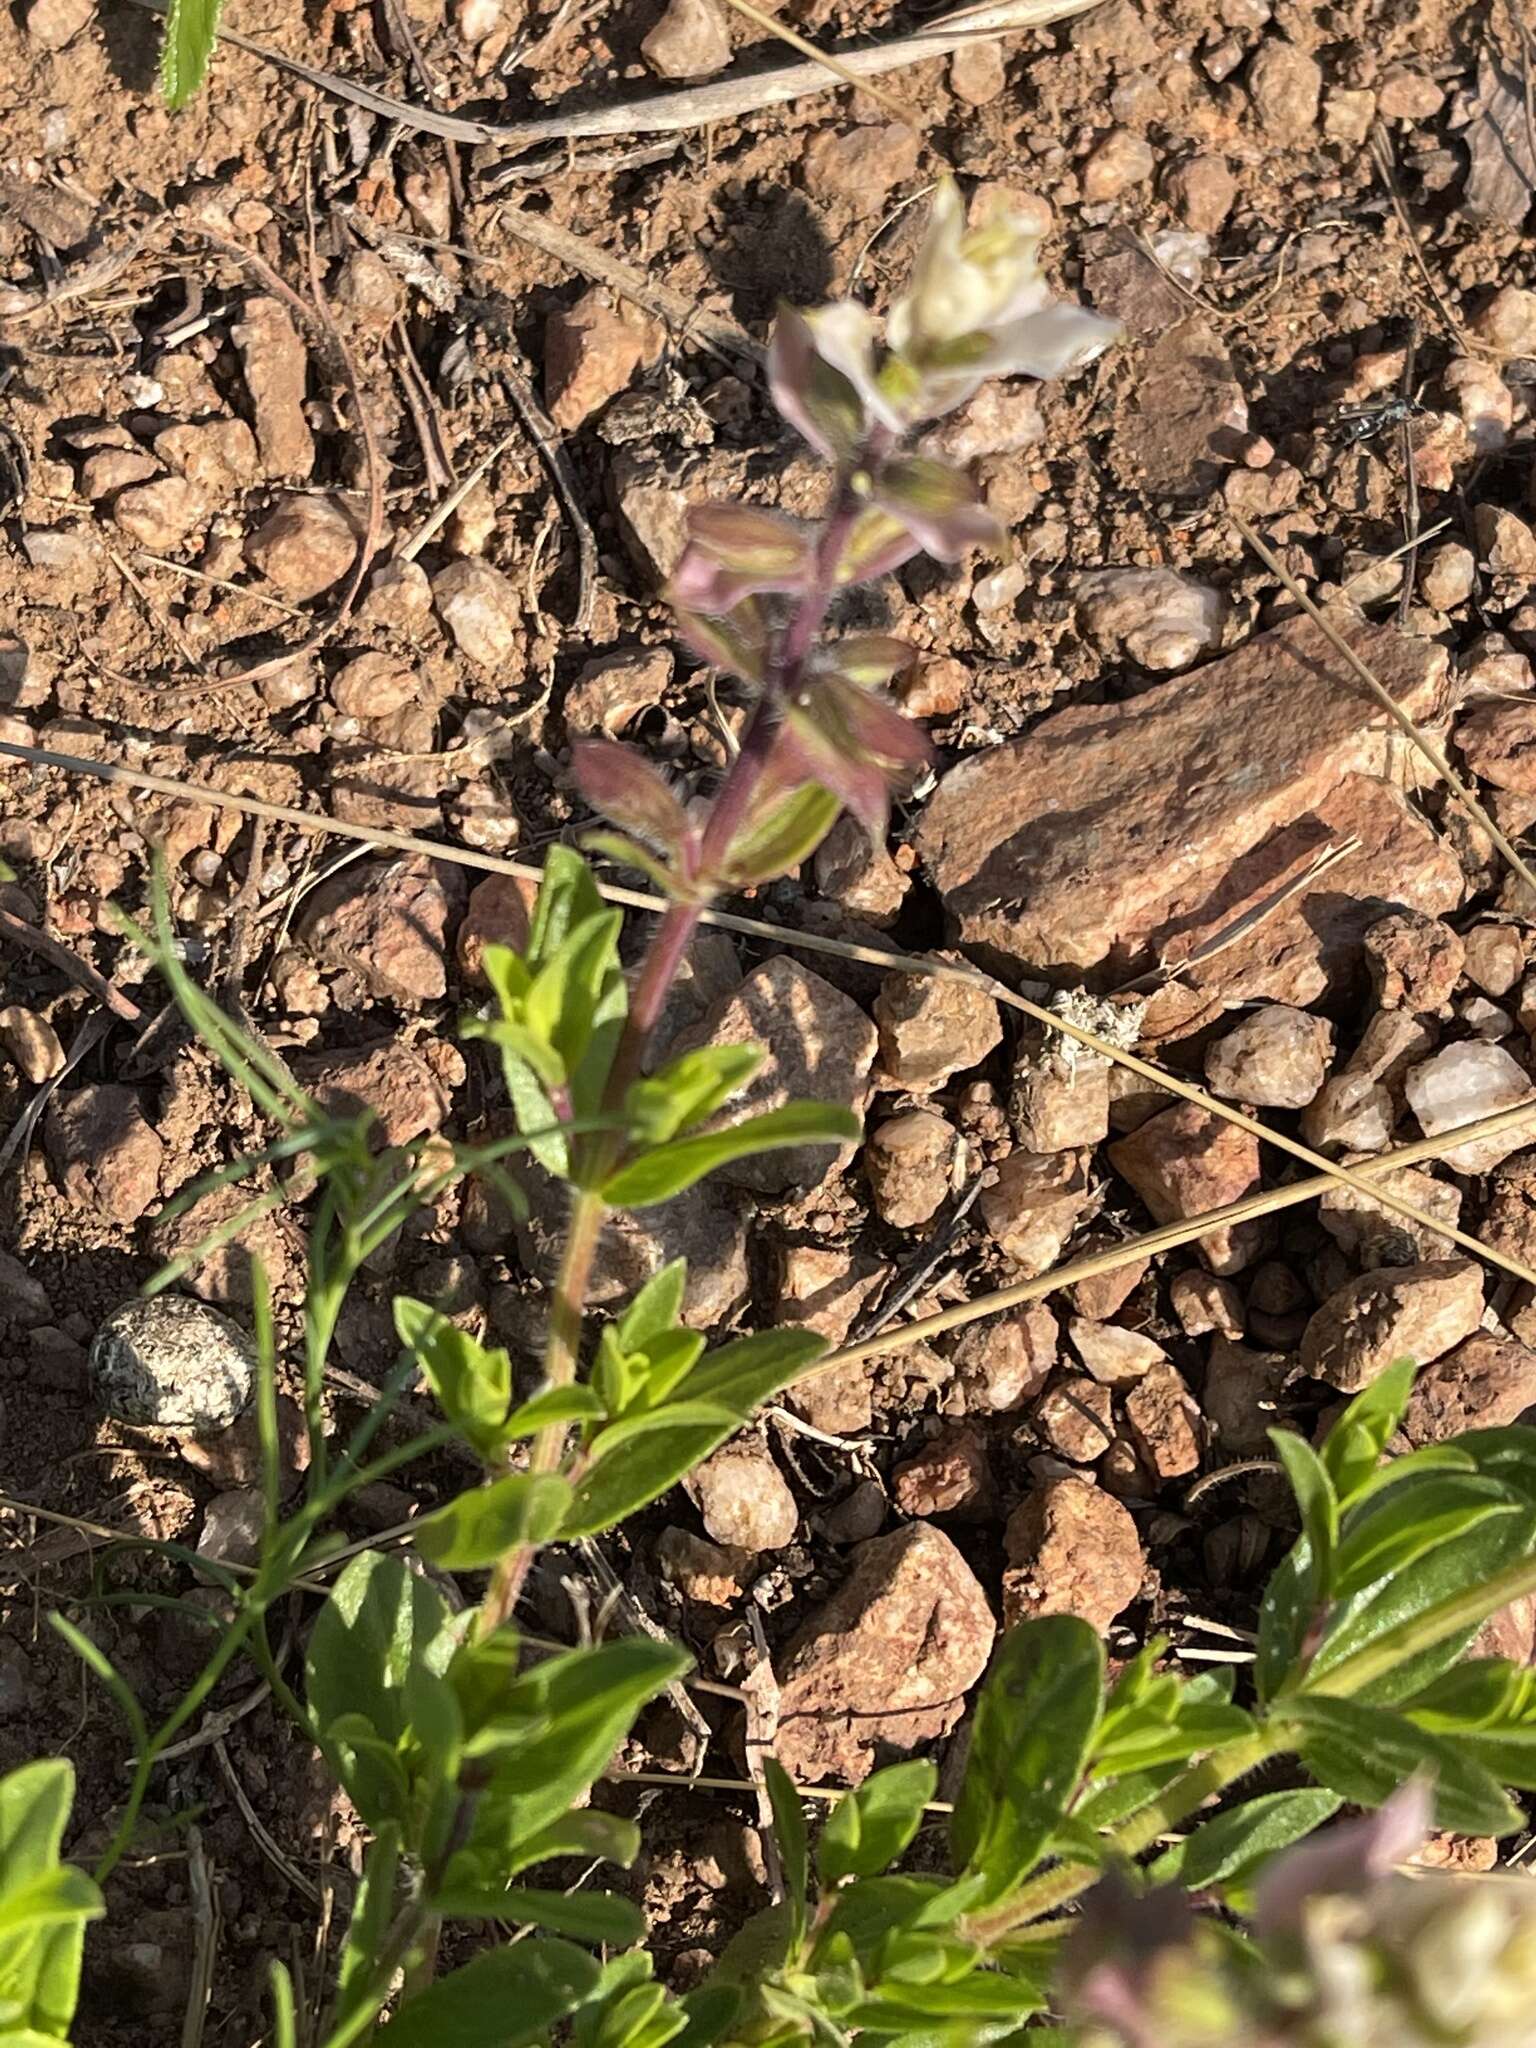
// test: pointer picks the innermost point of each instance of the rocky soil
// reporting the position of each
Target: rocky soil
(1160, 802)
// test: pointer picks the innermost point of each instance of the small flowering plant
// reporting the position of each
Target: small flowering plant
(472, 1751)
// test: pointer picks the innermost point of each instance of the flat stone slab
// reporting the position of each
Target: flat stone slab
(1074, 851)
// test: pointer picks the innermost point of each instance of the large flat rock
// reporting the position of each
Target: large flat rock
(1081, 850)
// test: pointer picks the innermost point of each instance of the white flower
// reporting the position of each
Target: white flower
(978, 307)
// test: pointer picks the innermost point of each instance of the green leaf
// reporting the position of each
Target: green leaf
(285, 2016)
(687, 1090)
(371, 1914)
(1356, 1441)
(1400, 1526)
(552, 1408)
(744, 1374)
(784, 834)
(44, 1904)
(659, 1446)
(1224, 1849)
(47, 1900)
(540, 1738)
(1032, 1735)
(191, 30)
(871, 1826)
(506, 1998)
(1457, 1566)
(599, 1917)
(1316, 1500)
(658, 1175)
(1508, 1455)
(479, 1527)
(34, 1811)
(1488, 1707)
(473, 1386)
(656, 1308)
(627, 1471)
(789, 1833)
(1364, 1753)
(585, 1831)
(383, 1709)
(1196, 1728)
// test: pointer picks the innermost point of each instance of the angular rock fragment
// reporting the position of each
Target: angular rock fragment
(1415, 1312)
(1085, 847)
(886, 1664)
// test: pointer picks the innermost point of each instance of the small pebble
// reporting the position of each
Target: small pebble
(172, 1363)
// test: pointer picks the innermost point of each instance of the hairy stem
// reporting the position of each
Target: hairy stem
(648, 999)
(1186, 1795)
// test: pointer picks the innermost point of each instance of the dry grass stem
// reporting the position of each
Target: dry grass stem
(756, 928)
(690, 107)
(1169, 1235)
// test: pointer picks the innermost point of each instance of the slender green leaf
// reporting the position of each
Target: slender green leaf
(473, 1385)
(1400, 1526)
(1457, 1566)
(1364, 1753)
(665, 1171)
(479, 1527)
(790, 1835)
(372, 1912)
(1356, 1441)
(635, 1461)
(285, 2018)
(656, 1308)
(599, 1917)
(505, 1998)
(1488, 1707)
(1031, 1738)
(1226, 1848)
(748, 1372)
(871, 1825)
(550, 1409)
(539, 1739)
(688, 1089)
(191, 30)
(1316, 1500)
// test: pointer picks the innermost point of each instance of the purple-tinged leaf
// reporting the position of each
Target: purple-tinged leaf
(1345, 1858)
(878, 543)
(818, 400)
(737, 643)
(735, 551)
(870, 660)
(938, 507)
(621, 784)
(779, 833)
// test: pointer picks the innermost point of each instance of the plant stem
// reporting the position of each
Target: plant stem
(1186, 1795)
(648, 999)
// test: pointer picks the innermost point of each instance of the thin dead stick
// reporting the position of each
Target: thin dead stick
(1381, 148)
(1166, 1237)
(1242, 927)
(835, 65)
(444, 510)
(675, 113)
(205, 1919)
(813, 942)
(685, 316)
(1388, 703)
(84, 976)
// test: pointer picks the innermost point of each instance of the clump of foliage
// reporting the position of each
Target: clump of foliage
(470, 1751)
